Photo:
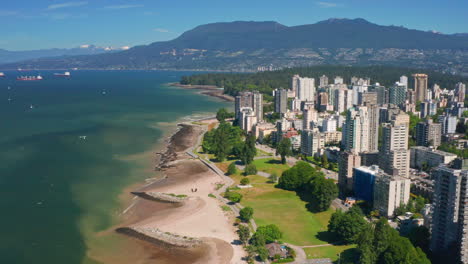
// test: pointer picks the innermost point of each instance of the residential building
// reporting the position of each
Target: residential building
(309, 115)
(397, 94)
(323, 81)
(329, 124)
(347, 161)
(333, 137)
(449, 217)
(338, 80)
(420, 86)
(428, 108)
(390, 192)
(395, 156)
(305, 88)
(428, 156)
(404, 81)
(460, 90)
(253, 100)
(428, 133)
(361, 129)
(382, 94)
(247, 119)
(363, 182)
(367, 98)
(448, 123)
(311, 142)
(281, 100)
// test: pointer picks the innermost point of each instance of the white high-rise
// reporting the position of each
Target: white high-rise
(404, 81)
(305, 89)
(356, 130)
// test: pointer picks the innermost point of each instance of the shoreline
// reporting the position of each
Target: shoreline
(209, 90)
(182, 219)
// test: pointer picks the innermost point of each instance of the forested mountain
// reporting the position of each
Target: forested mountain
(244, 46)
(266, 82)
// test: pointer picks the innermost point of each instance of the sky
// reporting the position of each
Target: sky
(39, 24)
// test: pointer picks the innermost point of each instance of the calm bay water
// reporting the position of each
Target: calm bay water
(57, 190)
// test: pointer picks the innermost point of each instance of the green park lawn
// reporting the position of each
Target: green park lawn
(270, 165)
(348, 252)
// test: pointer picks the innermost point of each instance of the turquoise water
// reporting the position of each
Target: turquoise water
(58, 190)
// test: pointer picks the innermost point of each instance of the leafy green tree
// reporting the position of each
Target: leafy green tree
(297, 177)
(284, 149)
(248, 150)
(234, 197)
(324, 191)
(222, 114)
(347, 226)
(262, 253)
(232, 169)
(250, 169)
(244, 234)
(244, 181)
(365, 241)
(271, 233)
(420, 237)
(246, 214)
(325, 161)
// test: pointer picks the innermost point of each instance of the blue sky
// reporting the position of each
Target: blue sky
(34, 24)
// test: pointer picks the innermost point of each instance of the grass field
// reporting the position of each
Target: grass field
(270, 165)
(286, 210)
(348, 252)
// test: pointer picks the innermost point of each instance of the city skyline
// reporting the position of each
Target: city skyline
(67, 24)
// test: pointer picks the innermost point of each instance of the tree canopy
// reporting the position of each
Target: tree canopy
(284, 149)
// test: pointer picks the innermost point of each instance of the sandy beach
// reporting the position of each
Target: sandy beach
(209, 90)
(198, 216)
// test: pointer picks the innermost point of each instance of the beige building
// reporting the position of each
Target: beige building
(311, 142)
(420, 86)
(395, 156)
(346, 162)
(390, 192)
(332, 137)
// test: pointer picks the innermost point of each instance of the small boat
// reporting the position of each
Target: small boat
(31, 107)
(65, 74)
(2, 74)
(29, 78)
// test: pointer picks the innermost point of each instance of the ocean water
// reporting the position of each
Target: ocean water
(58, 190)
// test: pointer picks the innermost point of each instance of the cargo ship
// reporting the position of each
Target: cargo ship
(29, 78)
(65, 74)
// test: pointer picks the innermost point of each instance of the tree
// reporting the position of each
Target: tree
(245, 181)
(222, 114)
(420, 237)
(284, 149)
(347, 226)
(232, 169)
(365, 241)
(298, 176)
(325, 161)
(233, 197)
(401, 210)
(244, 234)
(250, 169)
(248, 150)
(271, 233)
(324, 191)
(246, 214)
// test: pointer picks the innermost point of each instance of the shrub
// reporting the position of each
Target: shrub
(246, 214)
(245, 181)
(234, 197)
(250, 169)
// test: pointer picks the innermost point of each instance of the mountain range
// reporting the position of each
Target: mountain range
(248, 45)
(8, 56)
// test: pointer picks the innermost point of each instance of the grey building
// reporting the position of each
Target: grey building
(428, 133)
(431, 157)
(449, 124)
(450, 212)
(281, 100)
(397, 94)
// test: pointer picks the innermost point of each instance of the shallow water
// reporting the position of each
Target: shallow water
(68, 147)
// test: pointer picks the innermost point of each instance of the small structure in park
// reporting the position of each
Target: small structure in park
(277, 251)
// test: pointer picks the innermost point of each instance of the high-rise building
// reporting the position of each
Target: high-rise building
(329, 124)
(382, 94)
(397, 94)
(361, 129)
(338, 80)
(346, 162)
(363, 182)
(367, 98)
(448, 123)
(309, 115)
(311, 142)
(252, 100)
(460, 90)
(305, 88)
(449, 217)
(404, 81)
(420, 86)
(430, 157)
(428, 108)
(323, 101)
(428, 133)
(436, 91)
(357, 90)
(281, 101)
(390, 192)
(323, 81)
(395, 156)
(247, 119)
(294, 84)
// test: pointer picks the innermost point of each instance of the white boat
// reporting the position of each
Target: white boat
(65, 74)
(2, 74)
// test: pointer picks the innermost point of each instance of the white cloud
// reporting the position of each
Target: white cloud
(66, 5)
(162, 30)
(122, 6)
(327, 4)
